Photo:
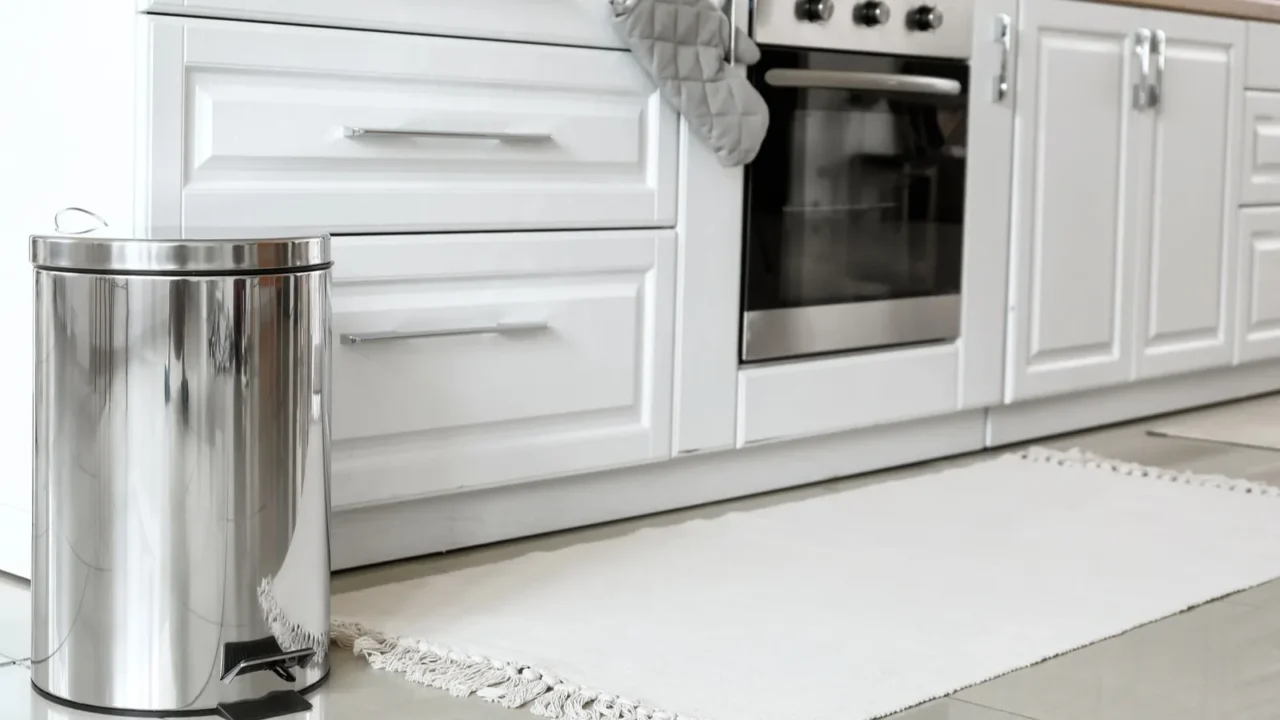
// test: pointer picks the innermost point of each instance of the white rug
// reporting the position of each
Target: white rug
(1254, 424)
(849, 606)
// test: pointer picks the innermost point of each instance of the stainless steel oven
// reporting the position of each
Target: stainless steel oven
(855, 204)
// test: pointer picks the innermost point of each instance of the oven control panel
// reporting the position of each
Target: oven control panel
(927, 28)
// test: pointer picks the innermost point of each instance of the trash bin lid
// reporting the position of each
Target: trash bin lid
(203, 253)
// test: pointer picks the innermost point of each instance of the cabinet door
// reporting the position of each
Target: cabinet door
(1075, 187)
(987, 197)
(1186, 257)
(1259, 284)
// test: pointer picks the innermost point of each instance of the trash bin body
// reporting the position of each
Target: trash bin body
(181, 471)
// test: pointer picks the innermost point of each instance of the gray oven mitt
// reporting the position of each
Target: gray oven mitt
(684, 45)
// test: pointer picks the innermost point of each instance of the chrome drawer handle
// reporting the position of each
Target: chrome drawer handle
(1004, 32)
(500, 135)
(501, 328)
(1142, 87)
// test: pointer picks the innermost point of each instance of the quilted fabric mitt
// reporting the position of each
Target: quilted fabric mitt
(684, 46)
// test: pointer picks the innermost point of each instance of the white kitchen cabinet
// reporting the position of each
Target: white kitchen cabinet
(1122, 212)
(1259, 284)
(464, 361)
(1075, 197)
(1190, 183)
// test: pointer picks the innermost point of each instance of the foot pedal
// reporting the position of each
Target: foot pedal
(264, 654)
(271, 705)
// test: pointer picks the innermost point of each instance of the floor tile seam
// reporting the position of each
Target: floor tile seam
(991, 708)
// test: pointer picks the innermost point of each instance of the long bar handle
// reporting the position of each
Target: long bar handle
(1156, 94)
(501, 328)
(501, 135)
(732, 32)
(1142, 88)
(854, 80)
(1004, 36)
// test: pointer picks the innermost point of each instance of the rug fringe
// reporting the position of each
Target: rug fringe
(505, 683)
(289, 634)
(1085, 459)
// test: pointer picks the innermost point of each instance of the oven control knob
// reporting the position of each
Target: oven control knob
(871, 13)
(818, 11)
(925, 18)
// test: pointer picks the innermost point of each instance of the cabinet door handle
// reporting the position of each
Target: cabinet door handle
(1141, 88)
(1004, 36)
(500, 328)
(733, 32)
(1156, 95)
(355, 132)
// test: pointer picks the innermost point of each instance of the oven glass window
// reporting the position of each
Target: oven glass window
(857, 194)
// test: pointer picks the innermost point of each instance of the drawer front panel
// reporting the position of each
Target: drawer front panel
(1259, 284)
(557, 22)
(1261, 182)
(306, 129)
(482, 359)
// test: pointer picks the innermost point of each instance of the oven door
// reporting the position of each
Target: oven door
(855, 203)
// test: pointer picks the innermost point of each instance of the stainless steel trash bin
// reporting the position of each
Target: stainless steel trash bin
(181, 556)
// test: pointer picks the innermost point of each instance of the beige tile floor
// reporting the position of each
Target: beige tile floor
(1218, 661)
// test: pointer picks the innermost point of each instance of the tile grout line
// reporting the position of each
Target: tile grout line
(988, 707)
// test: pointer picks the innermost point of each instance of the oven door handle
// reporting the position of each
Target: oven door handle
(853, 80)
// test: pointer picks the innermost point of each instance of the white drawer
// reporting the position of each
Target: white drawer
(562, 22)
(579, 380)
(1261, 184)
(247, 130)
(801, 398)
(1258, 334)
(1262, 67)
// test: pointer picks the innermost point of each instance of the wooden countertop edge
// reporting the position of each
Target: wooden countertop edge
(1265, 10)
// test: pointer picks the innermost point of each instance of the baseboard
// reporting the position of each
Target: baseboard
(1009, 424)
(364, 536)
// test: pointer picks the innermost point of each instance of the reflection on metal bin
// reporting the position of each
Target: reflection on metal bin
(181, 551)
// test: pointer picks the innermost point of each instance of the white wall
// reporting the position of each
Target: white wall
(66, 138)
